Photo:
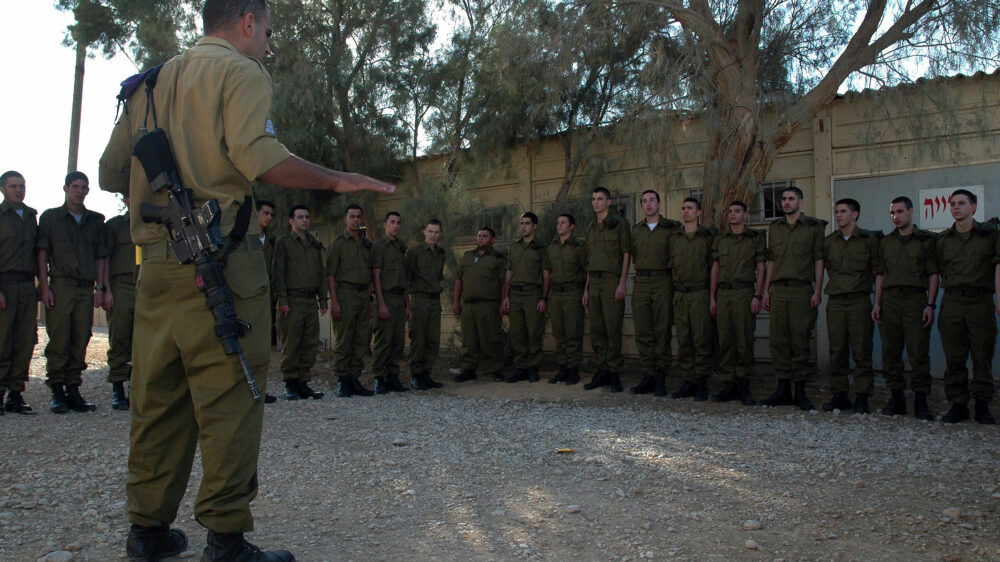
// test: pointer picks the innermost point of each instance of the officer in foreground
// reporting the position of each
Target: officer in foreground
(186, 392)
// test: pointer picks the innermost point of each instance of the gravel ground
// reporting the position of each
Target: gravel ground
(472, 472)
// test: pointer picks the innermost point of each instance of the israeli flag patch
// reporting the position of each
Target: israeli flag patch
(269, 127)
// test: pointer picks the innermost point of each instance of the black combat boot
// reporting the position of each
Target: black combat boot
(465, 375)
(533, 374)
(75, 400)
(861, 404)
(957, 413)
(357, 389)
(292, 390)
(58, 403)
(426, 378)
(660, 383)
(498, 376)
(225, 547)
(2, 391)
(801, 400)
(746, 397)
(920, 409)
(392, 381)
(306, 392)
(572, 375)
(518, 375)
(15, 404)
(896, 405)
(119, 399)
(270, 398)
(601, 378)
(839, 401)
(687, 390)
(344, 387)
(729, 393)
(417, 382)
(615, 382)
(701, 390)
(782, 395)
(152, 544)
(983, 414)
(645, 386)
(560, 376)
(380, 386)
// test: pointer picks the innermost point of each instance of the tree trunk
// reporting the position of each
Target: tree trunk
(74, 124)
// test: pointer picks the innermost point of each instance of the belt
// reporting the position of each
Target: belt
(427, 295)
(849, 295)
(476, 301)
(301, 294)
(969, 291)
(17, 277)
(599, 274)
(565, 287)
(734, 286)
(398, 292)
(355, 286)
(905, 289)
(72, 282)
(690, 288)
(162, 249)
(787, 282)
(652, 272)
(526, 287)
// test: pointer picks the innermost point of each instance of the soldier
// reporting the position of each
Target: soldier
(906, 287)
(70, 261)
(119, 303)
(691, 261)
(566, 264)
(389, 277)
(478, 288)
(299, 286)
(265, 214)
(969, 256)
(738, 258)
(18, 302)
(349, 277)
(653, 294)
(608, 247)
(850, 255)
(424, 275)
(791, 294)
(525, 300)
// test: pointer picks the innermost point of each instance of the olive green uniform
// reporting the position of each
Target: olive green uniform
(794, 251)
(215, 105)
(18, 262)
(850, 264)
(482, 276)
(906, 263)
(691, 262)
(299, 283)
(738, 256)
(525, 262)
(607, 242)
(122, 270)
(566, 263)
(268, 240)
(73, 250)
(348, 262)
(425, 273)
(389, 257)
(653, 293)
(967, 321)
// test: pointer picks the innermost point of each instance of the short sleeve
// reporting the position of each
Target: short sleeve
(931, 264)
(250, 137)
(115, 164)
(760, 249)
(44, 239)
(333, 258)
(818, 238)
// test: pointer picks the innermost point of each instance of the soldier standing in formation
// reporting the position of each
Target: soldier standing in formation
(478, 288)
(298, 284)
(119, 303)
(566, 264)
(906, 287)
(525, 300)
(652, 295)
(608, 246)
(18, 302)
(389, 277)
(738, 258)
(265, 214)
(424, 278)
(349, 277)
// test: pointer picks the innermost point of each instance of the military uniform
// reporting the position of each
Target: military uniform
(73, 250)
(122, 270)
(268, 240)
(389, 257)
(18, 263)
(607, 242)
(652, 298)
(566, 263)
(300, 284)
(738, 256)
(348, 262)
(425, 273)
(482, 276)
(525, 262)
(214, 104)
(691, 261)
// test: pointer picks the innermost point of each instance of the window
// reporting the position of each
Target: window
(766, 204)
(495, 218)
(623, 206)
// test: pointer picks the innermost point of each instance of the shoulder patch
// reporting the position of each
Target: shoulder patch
(269, 127)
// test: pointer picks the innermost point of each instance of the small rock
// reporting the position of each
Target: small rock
(57, 556)
(751, 545)
(751, 525)
(188, 554)
(968, 526)
(832, 536)
(573, 509)
(399, 443)
(952, 513)
(649, 554)
(869, 510)
(499, 512)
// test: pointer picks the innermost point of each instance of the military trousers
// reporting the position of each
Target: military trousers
(527, 327)
(968, 326)
(567, 314)
(187, 394)
(18, 333)
(652, 313)
(903, 327)
(299, 332)
(352, 333)
(850, 328)
(390, 337)
(425, 331)
(120, 327)
(606, 318)
(791, 326)
(68, 325)
(735, 325)
(695, 334)
(482, 337)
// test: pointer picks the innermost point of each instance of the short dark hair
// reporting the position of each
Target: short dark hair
(740, 204)
(78, 175)
(218, 14)
(692, 200)
(653, 191)
(291, 212)
(266, 203)
(904, 200)
(569, 217)
(972, 196)
(794, 190)
(7, 175)
(434, 221)
(392, 214)
(603, 190)
(852, 204)
(347, 211)
(487, 229)
(530, 215)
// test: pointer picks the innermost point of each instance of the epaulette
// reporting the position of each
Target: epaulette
(921, 234)
(315, 242)
(537, 245)
(752, 232)
(611, 222)
(707, 231)
(497, 253)
(991, 225)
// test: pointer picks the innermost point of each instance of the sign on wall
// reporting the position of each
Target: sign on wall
(935, 211)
